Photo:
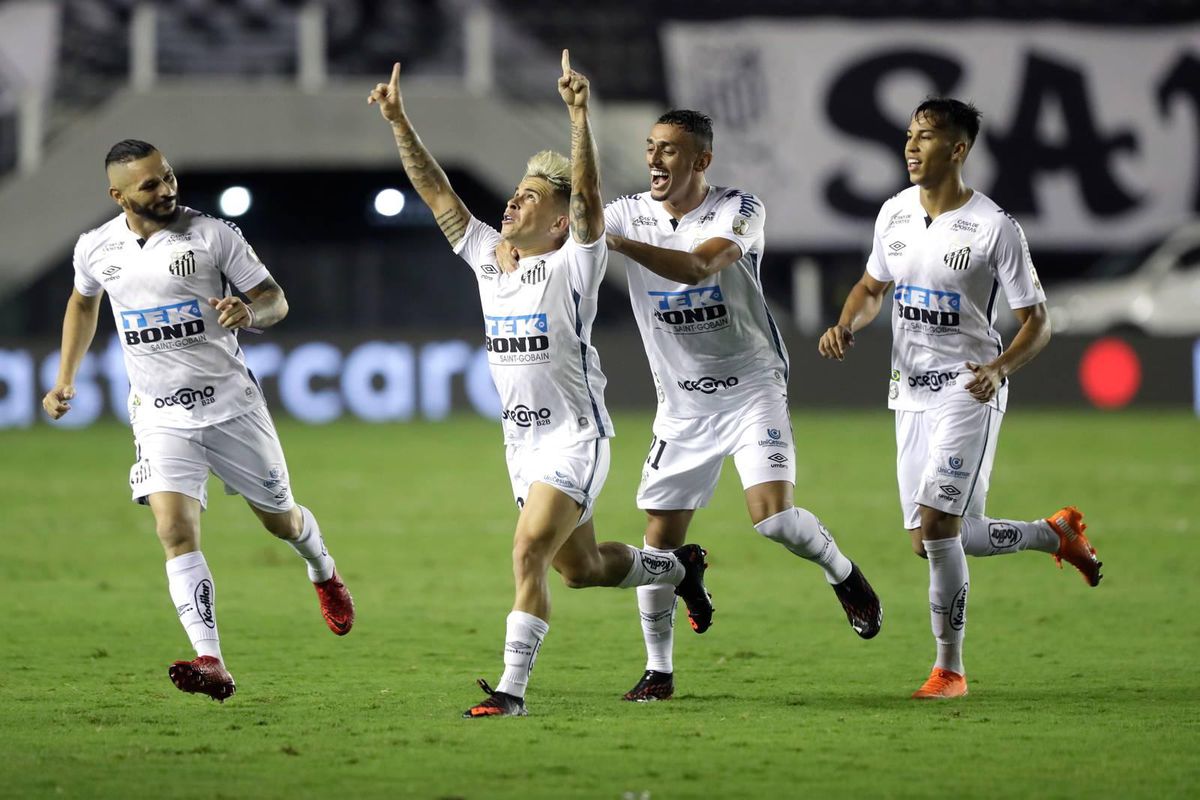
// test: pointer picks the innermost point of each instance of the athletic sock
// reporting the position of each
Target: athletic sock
(983, 536)
(948, 584)
(311, 547)
(522, 640)
(656, 604)
(652, 566)
(802, 533)
(191, 585)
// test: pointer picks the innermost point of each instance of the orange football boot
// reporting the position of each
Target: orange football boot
(942, 685)
(1073, 546)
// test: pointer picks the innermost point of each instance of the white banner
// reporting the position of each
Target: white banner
(1090, 137)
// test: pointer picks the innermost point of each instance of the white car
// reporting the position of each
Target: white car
(1154, 290)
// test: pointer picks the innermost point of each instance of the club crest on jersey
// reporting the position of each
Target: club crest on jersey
(535, 274)
(958, 259)
(697, 310)
(183, 264)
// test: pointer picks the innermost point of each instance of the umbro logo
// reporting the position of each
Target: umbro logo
(897, 246)
(112, 273)
(778, 458)
(953, 491)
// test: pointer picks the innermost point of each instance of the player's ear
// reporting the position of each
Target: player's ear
(115, 194)
(702, 161)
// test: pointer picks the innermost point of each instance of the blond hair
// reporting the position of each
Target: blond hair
(555, 168)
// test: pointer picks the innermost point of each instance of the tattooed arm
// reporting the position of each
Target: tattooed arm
(423, 171)
(587, 208)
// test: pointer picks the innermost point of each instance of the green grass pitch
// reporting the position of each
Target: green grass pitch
(1075, 692)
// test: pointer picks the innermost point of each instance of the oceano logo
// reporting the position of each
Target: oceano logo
(708, 385)
(187, 397)
(524, 416)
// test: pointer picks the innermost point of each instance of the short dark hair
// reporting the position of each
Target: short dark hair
(946, 111)
(128, 150)
(694, 122)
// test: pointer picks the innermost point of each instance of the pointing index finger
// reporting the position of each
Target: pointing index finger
(566, 62)
(395, 82)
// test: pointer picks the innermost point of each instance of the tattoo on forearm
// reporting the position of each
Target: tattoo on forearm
(422, 170)
(453, 225)
(585, 180)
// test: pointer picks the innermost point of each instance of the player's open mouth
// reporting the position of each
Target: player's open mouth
(506, 219)
(913, 164)
(659, 178)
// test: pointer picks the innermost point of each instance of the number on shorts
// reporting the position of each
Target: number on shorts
(654, 456)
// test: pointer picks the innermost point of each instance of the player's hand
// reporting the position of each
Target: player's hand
(234, 313)
(387, 96)
(986, 383)
(836, 342)
(57, 400)
(614, 242)
(506, 257)
(572, 87)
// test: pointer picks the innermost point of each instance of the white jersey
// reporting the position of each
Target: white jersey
(185, 370)
(947, 274)
(537, 329)
(713, 346)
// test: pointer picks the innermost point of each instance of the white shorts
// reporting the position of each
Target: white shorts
(944, 458)
(577, 470)
(244, 452)
(684, 464)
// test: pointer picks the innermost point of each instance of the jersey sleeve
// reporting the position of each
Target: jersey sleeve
(585, 265)
(615, 218)
(238, 261)
(477, 247)
(85, 283)
(740, 218)
(876, 264)
(1014, 266)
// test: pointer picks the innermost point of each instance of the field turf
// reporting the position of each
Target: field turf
(1075, 692)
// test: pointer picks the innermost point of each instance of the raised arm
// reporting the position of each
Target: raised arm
(861, 306)
(79, 328)
(423, 171)
(587, 208)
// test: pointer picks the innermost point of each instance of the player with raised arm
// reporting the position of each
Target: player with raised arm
(949, 249)
(537, 331)
(720, 370)
(193, 405)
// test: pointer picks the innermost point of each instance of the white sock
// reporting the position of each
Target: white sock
(522, 640)
(191, 587)
(652, 566)
(802, 533)
(311, 547)
(984, 536)
(948, 584)
(656, 604)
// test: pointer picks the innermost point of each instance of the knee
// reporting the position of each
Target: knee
(288, 525)
(178, 536)
(529, 558)
(573, 577)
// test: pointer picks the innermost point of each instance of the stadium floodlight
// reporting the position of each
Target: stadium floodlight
(389, 202)
(235, 201)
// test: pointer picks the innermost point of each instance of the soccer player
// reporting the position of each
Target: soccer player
(193, 405)
(537, 331)
(720, 369)
(948, 249)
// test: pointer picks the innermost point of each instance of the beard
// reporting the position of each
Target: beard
(148, 212)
